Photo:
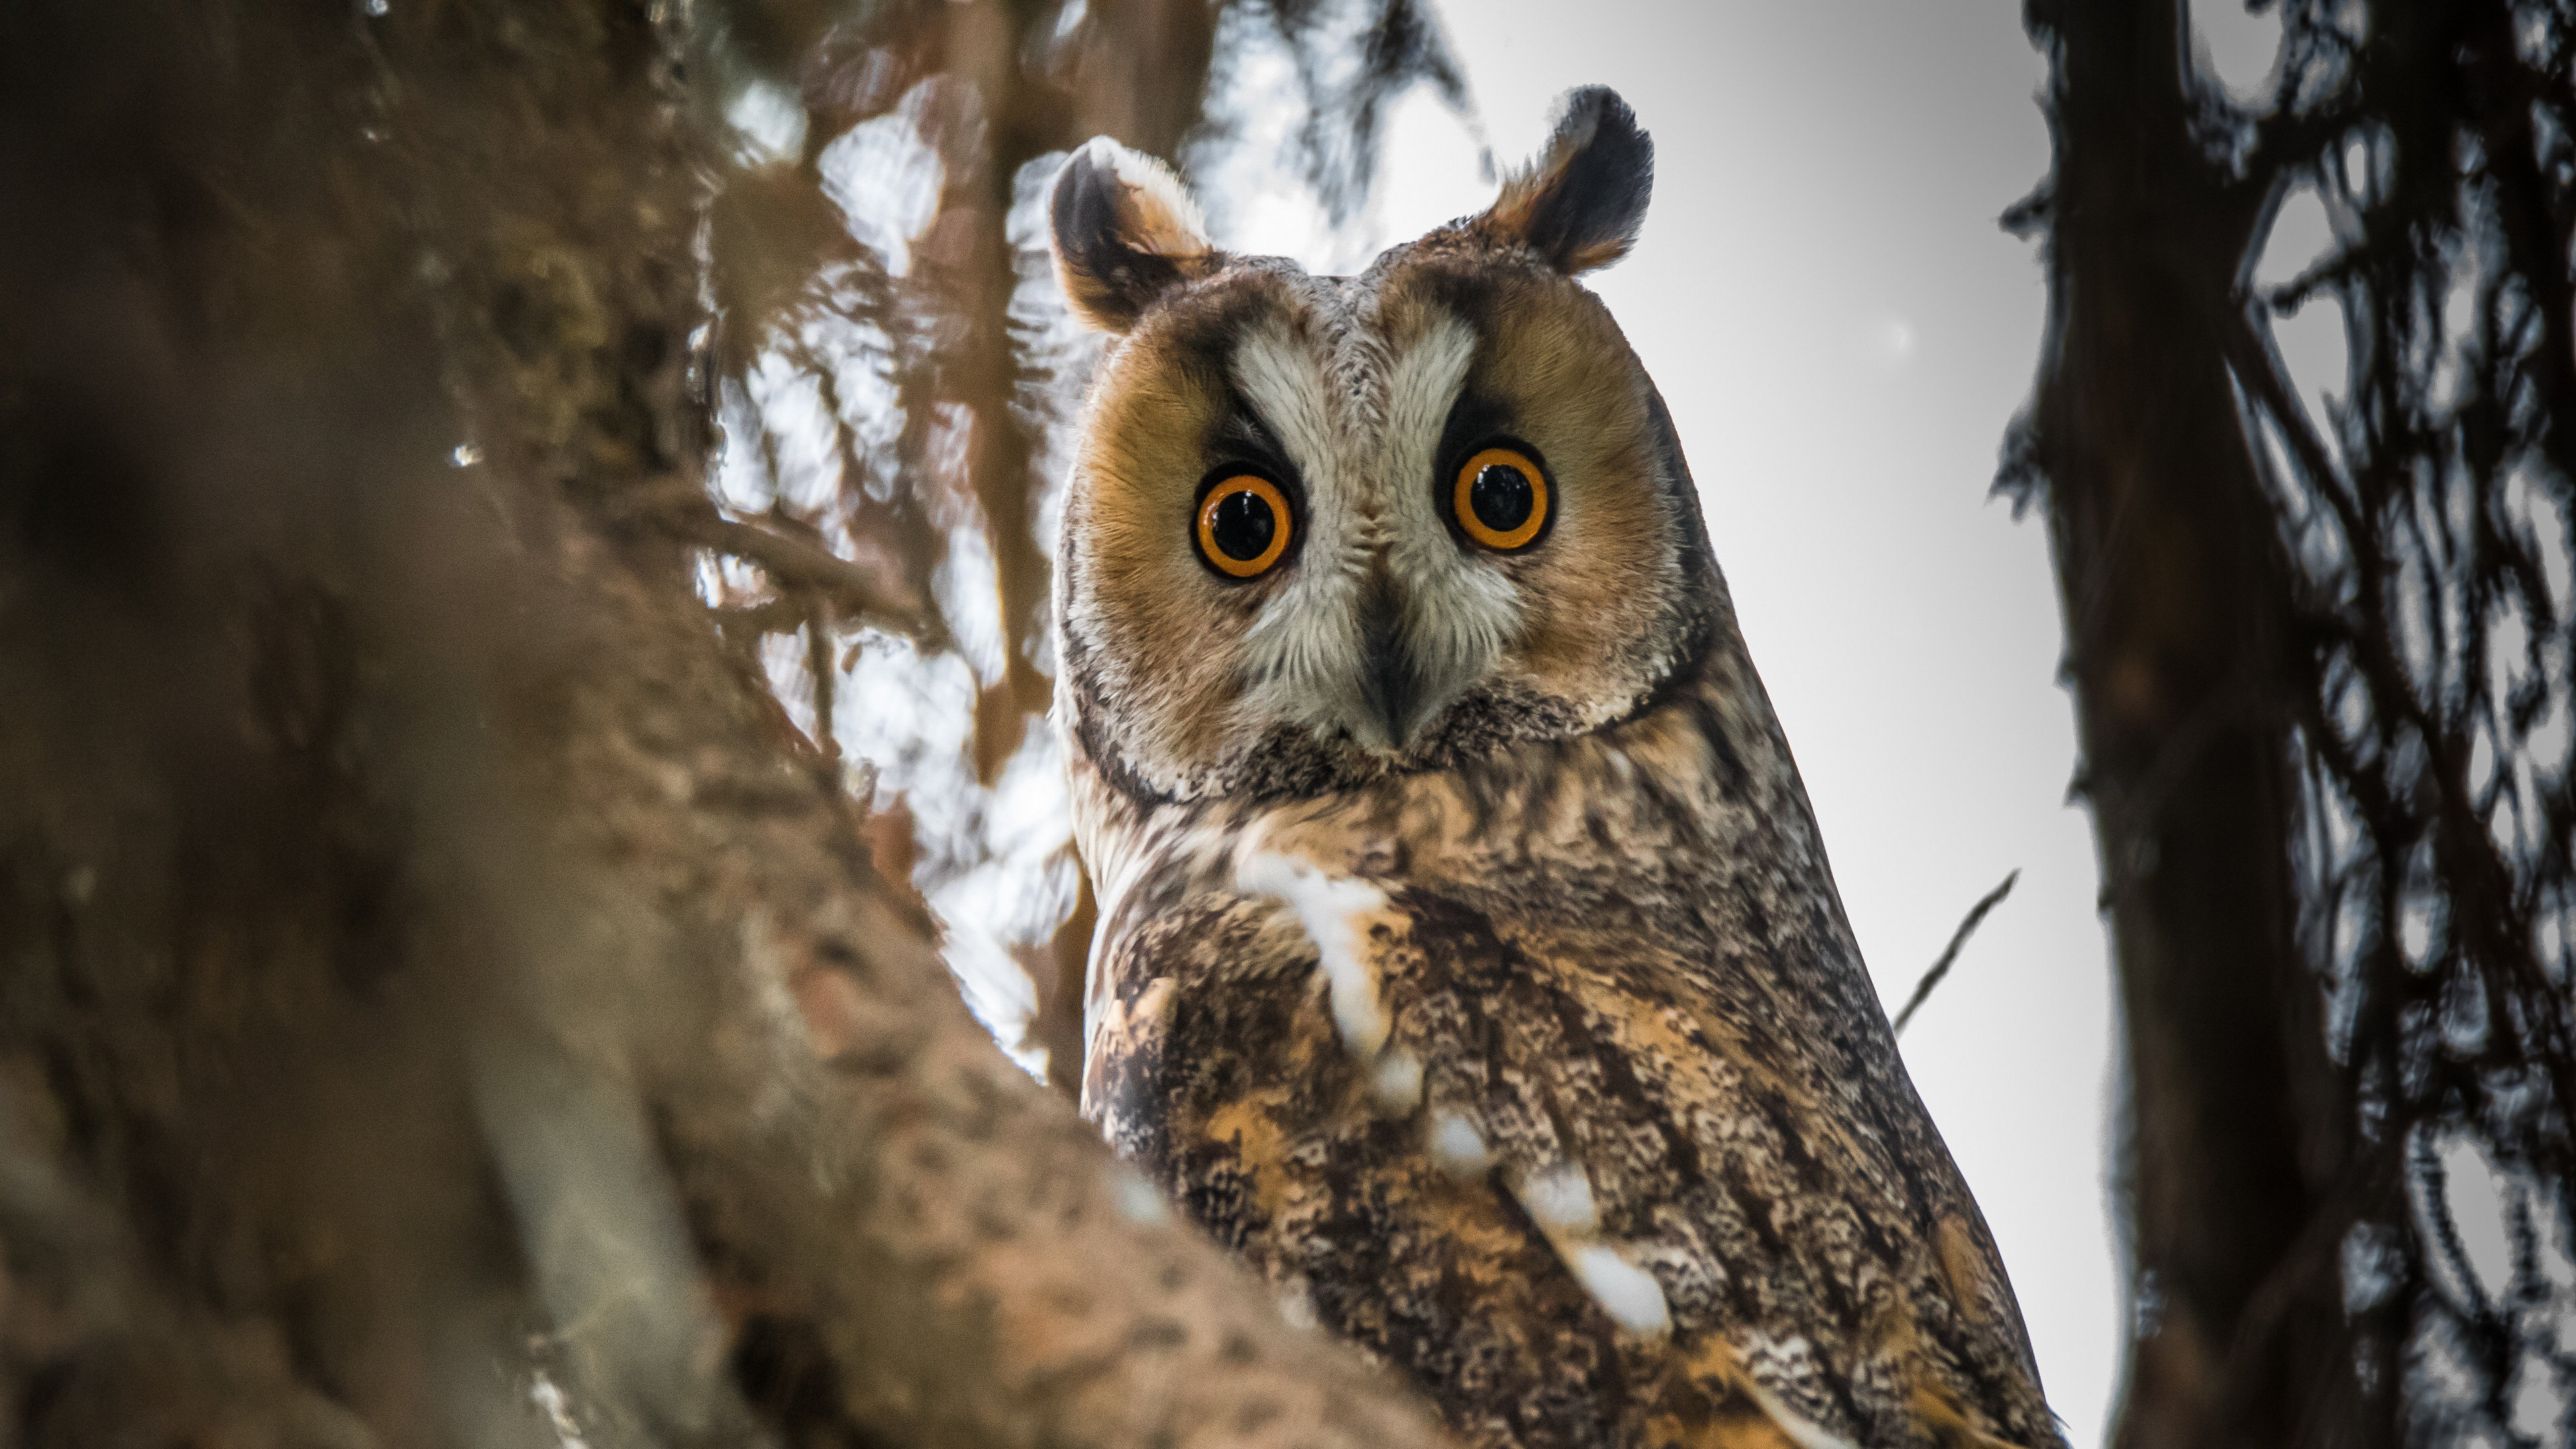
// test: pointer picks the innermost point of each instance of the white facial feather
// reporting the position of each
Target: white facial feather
(1460, 609)
(1303, 644)
(1364, 432)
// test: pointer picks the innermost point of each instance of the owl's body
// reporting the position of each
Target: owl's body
(1467, 957)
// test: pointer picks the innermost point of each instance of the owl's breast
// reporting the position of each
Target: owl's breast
(1565, 1092)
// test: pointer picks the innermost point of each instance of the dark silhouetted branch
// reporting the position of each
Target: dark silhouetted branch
(1950, 953)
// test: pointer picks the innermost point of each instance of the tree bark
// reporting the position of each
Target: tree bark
(2170, 578)
(439, 1001)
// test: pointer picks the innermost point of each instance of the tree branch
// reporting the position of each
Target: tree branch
(1950, 953)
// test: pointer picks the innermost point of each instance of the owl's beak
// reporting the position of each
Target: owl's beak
(1390, 684)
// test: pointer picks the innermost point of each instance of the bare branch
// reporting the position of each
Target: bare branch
(858, 593)
(1950, 953)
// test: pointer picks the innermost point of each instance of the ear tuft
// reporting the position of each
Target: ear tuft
(1581, 202)
(1126, 231)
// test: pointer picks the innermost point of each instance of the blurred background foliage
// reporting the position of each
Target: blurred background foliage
(893, 379)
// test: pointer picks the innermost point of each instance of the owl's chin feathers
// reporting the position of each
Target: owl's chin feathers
(1480, 726)
(1486, 726)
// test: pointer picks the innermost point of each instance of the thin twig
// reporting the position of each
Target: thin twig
(1950, 953)
(818, 663)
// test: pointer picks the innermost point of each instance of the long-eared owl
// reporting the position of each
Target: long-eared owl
(1468, 959)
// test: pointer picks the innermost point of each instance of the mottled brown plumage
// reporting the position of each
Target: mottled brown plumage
(1468, 959)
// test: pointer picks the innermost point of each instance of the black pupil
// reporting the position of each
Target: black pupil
(1502, 497)
(1244, 525)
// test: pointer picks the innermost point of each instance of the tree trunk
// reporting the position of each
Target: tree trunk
(2171, 584)
(439, 1000)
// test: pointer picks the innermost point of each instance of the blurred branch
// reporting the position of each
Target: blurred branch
(790, 551)
(860, 594)
(422, 967)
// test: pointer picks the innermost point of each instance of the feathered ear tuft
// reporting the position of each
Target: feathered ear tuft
(1580, 203)
(1126, 231)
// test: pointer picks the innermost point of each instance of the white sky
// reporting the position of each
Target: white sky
(1843, 333)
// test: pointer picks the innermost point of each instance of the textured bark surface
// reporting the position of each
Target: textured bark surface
(439, 999)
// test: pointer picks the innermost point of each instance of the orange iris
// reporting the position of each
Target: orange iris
(1244, 526)
(1501, 498)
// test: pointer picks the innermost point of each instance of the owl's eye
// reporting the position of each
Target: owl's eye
(1244, 526)
(1501, 499)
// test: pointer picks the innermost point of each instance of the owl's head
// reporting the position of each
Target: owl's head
(1325, 529)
